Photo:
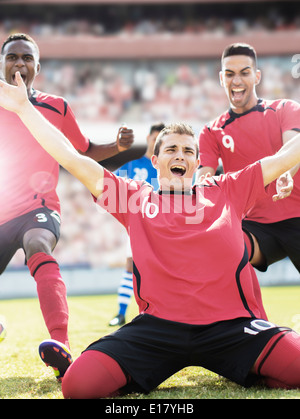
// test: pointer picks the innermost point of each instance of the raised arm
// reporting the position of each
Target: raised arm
(15, 99)
(285, 159)
(100, 152)
(285, 182)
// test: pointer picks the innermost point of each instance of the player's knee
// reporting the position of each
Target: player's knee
(76, 383)
(93, 375)
(38, 241)
(74, 386)
(281, 368)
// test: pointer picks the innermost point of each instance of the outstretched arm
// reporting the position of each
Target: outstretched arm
(14, 98)
(285, 159)
(285, 182)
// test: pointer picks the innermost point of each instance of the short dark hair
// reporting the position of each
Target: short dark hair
(176, 128)
(158, 126)
(17, 37)
(240, 49)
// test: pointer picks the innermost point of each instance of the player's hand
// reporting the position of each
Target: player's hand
(125, 138)
(13, 98)
(201, 178)
(284, 186)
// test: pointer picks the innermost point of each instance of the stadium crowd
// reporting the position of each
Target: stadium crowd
(161, 91)
(157, 90)
(143, 21)
(145, 91)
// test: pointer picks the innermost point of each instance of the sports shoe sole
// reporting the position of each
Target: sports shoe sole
(56, 355)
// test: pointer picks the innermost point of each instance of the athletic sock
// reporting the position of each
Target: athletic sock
(93, 375)
(279, 362)
(52, 295)
(125, 292)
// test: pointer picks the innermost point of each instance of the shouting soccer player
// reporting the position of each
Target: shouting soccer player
(254, 128)
(138, 169)
(30, 209)
(192, 276)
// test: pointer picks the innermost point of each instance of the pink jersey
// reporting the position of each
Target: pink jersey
(28, 174)
(190, 262)
(241, 139)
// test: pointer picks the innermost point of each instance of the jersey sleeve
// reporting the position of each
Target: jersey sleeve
(72, 131)
(118, 197)
(289, 116)
(244, 187)
(208, 149)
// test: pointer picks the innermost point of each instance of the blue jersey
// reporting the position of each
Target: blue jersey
(140, 169)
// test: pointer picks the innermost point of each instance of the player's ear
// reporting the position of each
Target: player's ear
(257, 77)
(1, 66)
(221, 78)
(38, 68)
(154, 161)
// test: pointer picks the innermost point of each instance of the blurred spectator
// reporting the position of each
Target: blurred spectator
(143, 21)
(107, 92)
(103, 92)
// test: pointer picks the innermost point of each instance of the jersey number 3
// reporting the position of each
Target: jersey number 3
(41, 217)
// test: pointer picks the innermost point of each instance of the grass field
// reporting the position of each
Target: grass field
(24, 376)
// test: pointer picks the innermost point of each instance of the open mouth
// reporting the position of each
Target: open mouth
(178, 170)
(14, 78)
(238, 93)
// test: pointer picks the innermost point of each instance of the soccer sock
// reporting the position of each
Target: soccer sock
(52, 295)
(92, 376)
(125, 292)
(279, 362)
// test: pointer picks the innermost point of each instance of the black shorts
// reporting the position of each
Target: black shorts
(150, 350)
(277, 241)
(12, 232)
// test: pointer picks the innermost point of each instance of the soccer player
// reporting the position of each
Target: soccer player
(196, 307)
(251, 129)
(30, 209)
(139, 169)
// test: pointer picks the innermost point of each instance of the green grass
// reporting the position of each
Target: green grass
(24, 376)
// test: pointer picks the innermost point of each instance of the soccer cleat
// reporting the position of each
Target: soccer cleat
(119, 320)
(2, 332)
(56, 355)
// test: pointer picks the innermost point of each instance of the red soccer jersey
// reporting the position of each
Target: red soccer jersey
(28, 174)
(241, 139)
(190, 262)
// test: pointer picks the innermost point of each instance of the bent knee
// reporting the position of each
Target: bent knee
(38, 240)
(93, 375)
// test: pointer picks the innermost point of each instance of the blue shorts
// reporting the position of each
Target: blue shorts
(150, 349)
